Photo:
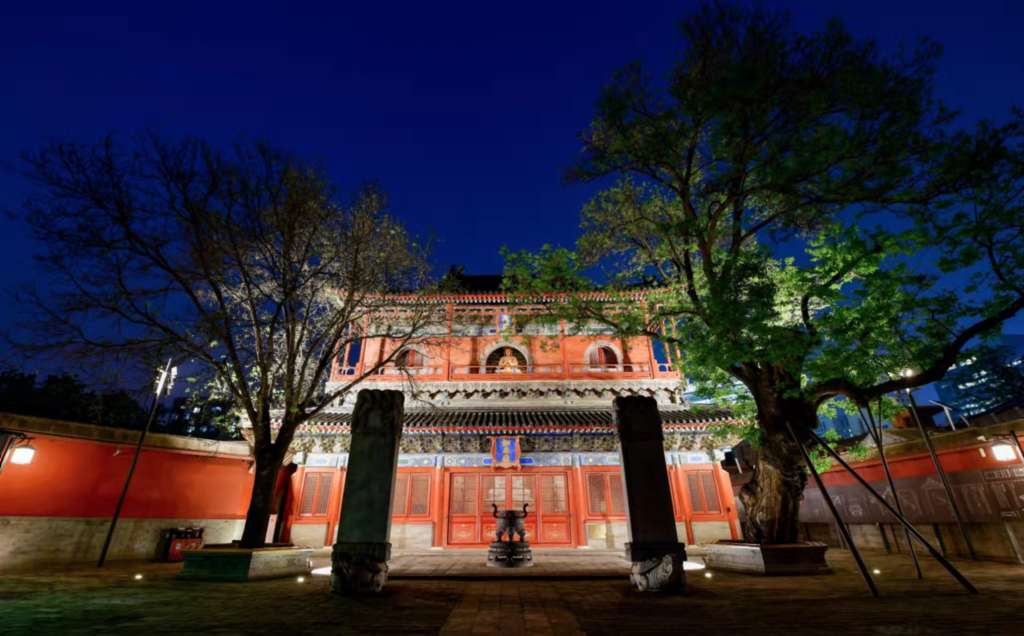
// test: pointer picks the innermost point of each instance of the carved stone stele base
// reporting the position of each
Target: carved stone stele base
(657, 567)
(359, 568)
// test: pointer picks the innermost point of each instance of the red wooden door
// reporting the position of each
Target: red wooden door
(471, 514)
(493, 490)
(463, 509)
(553, 510)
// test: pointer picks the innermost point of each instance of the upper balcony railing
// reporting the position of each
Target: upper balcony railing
(414, 371)
(629, 370)
(538, 371)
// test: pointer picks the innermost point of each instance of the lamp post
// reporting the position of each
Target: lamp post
(938, 469)
(164, 382)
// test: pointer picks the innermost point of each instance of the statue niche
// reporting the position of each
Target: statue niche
(506, 360)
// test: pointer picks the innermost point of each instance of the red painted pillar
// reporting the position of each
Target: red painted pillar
(727, 499)
(438, 514)
(578, 503)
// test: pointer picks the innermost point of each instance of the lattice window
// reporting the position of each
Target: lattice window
(493, 491)
(553, 493)
(606, 494)
(400, 501)
(522, 492)
(463, 495)
(597, 502)
(412, 494)
(617, 494)
(696, 498)
(309, 484)
(323, 497)
(316, 494)
(710, 489)
(419, 495)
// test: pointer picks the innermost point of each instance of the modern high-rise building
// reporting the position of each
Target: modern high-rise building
(987, 379)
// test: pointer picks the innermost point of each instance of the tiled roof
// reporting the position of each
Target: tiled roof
(498, 421)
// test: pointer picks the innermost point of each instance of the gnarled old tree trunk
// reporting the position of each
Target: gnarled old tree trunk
(269, 456)
(257, 518)
(772, 497)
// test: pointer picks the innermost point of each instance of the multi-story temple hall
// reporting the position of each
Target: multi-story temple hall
(504, 411)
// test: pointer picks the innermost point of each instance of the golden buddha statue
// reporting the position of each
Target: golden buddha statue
(508, 363)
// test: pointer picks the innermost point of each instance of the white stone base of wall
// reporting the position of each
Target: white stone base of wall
(412, 536)
(310, 535)
(26, 542)
(607, 535)
(709, 531)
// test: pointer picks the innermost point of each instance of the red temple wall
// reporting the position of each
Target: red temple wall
(57, 509)
(83, 478)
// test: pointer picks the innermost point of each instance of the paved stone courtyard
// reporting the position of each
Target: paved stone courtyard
(569, 592)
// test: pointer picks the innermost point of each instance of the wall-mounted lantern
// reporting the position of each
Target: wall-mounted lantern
(15, 448)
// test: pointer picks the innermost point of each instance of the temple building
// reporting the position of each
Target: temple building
(504, 410)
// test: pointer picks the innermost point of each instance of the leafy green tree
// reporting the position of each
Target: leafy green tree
(807, 223)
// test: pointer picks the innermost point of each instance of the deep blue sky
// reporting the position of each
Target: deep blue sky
(466, 114)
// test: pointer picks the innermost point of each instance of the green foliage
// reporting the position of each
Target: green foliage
(819, 456)
(552, 269)
(859, 452)
(731, 433)
(801, 209)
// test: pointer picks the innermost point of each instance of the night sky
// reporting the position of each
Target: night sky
(467, 115)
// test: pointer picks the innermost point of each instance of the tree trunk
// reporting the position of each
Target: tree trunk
(261, 502)
(771, 499)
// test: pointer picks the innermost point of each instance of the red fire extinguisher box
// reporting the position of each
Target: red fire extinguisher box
(177, 540)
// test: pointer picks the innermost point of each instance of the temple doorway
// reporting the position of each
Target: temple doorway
(470, 510)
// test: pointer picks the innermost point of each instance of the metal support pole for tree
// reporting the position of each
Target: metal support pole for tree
(948, 412)
(906, 524)
(942, 475)
(843, 530)
(163, 382)
(1020, 449)
(876, 434)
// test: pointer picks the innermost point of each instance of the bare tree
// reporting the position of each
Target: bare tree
(242, 260)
